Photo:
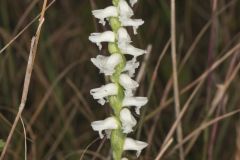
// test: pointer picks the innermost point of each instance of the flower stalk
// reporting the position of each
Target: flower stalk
(119, 93)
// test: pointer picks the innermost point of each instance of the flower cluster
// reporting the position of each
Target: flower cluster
(120, 92)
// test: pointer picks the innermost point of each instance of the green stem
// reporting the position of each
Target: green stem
(117, 136)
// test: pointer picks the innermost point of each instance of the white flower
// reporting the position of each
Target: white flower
(106, 124)
(126, 48)
(131, 67)
(105, 64)
(125, 10)
(138, 102)
(101, 14)
(107, 36)
(104, 91)
(128, 121)
(124, 158)
(133, 2)
(128, 84)
(135, 23)
(123, 36)
(134, 145)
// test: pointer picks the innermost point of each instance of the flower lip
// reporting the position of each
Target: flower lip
(109, 123)
(128, 121)
(126, 48)
(135, 23)
(101, 14)
(138, 102)
(131, 144)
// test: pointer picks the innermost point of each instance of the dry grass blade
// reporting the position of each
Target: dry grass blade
(86, 149)
(24, 29)
(142, 70)
(33, 50)
(196, 81)
(175, 76)
(164, 149)
(202, 127)
(177, 121)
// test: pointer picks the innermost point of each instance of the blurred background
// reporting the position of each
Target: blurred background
(59, 108)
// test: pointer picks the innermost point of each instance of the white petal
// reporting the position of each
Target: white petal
(101, 14)
(128, 121)
(124, 158)
(138, 102)
(107, 36)
(133, 2)
(105, 64)
(123, 36)
(126, 48)
(131, 67)
(128, 84)
(106, 124)
(125, 10)
(134, 145)
(135, 23)
(104, 91)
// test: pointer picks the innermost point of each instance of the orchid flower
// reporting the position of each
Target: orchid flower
(102, 14)
(106, 124)
(98, 38)
(120, 71)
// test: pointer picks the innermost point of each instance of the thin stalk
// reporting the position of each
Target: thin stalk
(175, 76)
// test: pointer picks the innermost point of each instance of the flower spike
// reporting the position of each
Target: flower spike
(120, 91)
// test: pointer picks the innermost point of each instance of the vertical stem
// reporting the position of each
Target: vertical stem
(117, 136)
(175, 78)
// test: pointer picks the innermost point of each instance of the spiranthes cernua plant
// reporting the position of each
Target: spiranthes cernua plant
(120, 92)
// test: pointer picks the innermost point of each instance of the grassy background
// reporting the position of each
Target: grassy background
(60, 109)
